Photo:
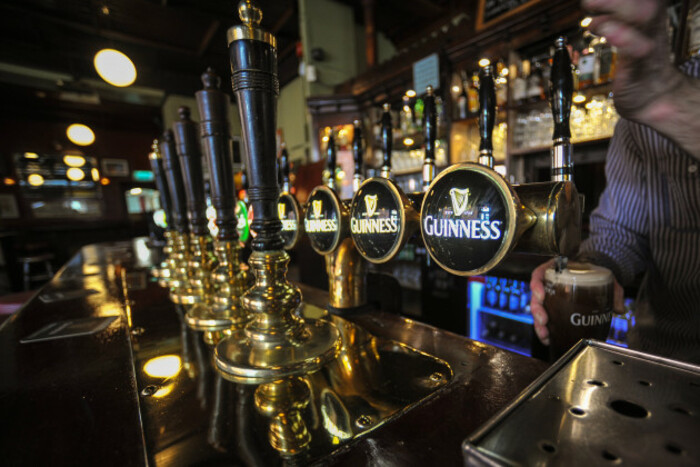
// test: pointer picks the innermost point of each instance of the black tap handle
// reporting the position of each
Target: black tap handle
(331, 158)
(487, 108)
(357, 149)
(561, 89)
(253, 54)
(430, 124)
(173, 174)
(161, 183)
(214, 131)
(188, 148)
(387, 136)
(284, 165)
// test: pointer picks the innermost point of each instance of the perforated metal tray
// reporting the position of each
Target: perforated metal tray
(598, 405)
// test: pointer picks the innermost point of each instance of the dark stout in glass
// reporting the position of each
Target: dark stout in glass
(579, 304)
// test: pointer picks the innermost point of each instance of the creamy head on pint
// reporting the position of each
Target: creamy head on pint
(583, 274)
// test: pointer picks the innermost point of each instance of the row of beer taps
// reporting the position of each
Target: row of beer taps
(468, 216)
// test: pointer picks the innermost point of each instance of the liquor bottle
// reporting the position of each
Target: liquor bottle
(514, 298)
(606, 59)
(586, 68)
(473, 94)
(406, 116)
(518, 79)
(503, 294)
(535, 90)
(463, 99)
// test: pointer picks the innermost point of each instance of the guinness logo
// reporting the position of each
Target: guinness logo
(460, 200)
(317, 206)
(371, 204)
(281, 210)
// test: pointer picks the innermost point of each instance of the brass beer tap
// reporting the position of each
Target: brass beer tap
(163, 271)
(200, 259)
(220, 313)
(472, 218)
(177, 262)
(327, 224)
(276, 343)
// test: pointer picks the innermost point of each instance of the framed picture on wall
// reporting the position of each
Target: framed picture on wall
(115, 167)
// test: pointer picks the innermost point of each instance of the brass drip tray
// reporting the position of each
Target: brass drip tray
(598, 405)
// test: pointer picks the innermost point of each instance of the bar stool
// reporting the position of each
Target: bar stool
(27, 262)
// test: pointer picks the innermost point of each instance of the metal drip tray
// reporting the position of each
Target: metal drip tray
(598, 405)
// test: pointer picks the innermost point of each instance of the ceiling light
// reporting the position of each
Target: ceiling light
(35, 180)
(75, 174)
(410, 93)
(72, 160)
(80, 134)
(115, 67)
(484, 62)
(31, 155)
(579, 98)
(135, 191)
(585, 22)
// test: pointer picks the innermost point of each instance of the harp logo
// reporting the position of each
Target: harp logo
(460, 200)
(318, 224)
(463, 223)
(371, 204)
(317, 206)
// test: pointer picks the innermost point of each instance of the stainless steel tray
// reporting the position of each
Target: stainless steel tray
(597, 405)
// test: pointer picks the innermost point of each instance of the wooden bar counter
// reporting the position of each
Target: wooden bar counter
(133, 385)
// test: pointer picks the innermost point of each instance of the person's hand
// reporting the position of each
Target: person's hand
(644, 76)
(537, 301)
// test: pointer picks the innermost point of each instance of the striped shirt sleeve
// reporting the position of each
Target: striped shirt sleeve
(619, 225)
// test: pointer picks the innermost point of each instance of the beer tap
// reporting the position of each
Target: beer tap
(178, 260)
(471, 218)
(163, 272)
(220, 312)
(429, 168)
(276, 343)
(358, 154)
(382, 217)
(200, 261)
(326, 223)
(288, 207)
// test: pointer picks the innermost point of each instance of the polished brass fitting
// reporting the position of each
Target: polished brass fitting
(347, 276)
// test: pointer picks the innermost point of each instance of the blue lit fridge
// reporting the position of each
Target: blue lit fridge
(499, 314)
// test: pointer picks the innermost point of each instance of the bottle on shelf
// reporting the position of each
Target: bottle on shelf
(586, 67)
(473, 94)
(535, 89)
(463, 99)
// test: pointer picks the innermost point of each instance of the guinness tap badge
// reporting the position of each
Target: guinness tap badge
(289, 213)
(468, 219)
(378, 220)
(323, 221)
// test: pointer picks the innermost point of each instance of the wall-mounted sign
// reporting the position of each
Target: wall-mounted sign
(378, 220)
(491, 12)
(290, 215)
(468, 219)
(323, 219)
(142, 176)
(115, 167)
(426, 72)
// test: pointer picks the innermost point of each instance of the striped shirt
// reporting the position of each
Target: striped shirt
(647, 225)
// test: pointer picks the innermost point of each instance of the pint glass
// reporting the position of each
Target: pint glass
(579, 304)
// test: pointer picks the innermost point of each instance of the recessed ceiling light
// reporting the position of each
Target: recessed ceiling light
(80, 134)
(484, 62)
(115, 67)
(72, 160)
(35, 180)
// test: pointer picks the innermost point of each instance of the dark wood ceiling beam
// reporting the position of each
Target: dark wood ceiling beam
(208, 35)
(103, 33)
(286, 15)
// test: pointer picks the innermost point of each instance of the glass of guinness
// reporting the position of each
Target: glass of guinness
(579, 303)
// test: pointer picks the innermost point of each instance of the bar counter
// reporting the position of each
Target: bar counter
(93, 398)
